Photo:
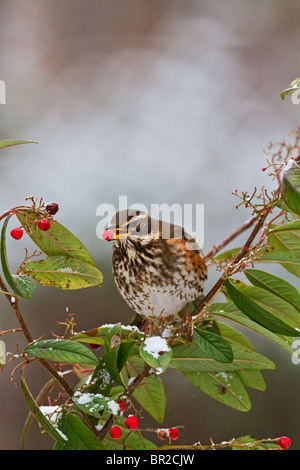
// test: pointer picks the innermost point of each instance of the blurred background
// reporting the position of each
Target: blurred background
(163, 101)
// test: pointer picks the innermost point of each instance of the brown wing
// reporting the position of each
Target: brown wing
(193, 260)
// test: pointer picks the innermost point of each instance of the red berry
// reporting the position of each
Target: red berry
(173, 433)
(131, 422)
(121, 404)
(284, 442)
(52, 208)
(17, 233)
(44, 224)
(115, 432)
(107, 235)
(163, 434)
(94, 346)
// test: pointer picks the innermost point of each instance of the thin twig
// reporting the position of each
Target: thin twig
(13, 330)
(13, 301)
(216, 248)
(232, 443)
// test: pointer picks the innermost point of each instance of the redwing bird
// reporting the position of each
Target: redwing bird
(157, 266)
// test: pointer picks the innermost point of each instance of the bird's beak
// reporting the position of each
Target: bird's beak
(113, 233)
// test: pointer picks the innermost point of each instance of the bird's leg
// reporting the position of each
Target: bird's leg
(149, 328)
(187, 319)
(145, 325)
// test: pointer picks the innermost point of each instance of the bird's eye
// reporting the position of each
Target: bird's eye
(134, 224)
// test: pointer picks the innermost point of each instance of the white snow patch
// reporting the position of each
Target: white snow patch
(87, 398)
(156, 345)
(290, 164)
(52, 414)
(67, 270)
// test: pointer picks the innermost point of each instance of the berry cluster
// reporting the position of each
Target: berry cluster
(131, 423)
(172, 433)
(43, 224)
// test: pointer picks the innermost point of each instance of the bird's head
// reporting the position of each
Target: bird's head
(134, 224)
(131, 224)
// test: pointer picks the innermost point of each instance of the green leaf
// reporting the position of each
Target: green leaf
(100, 380)
(124, 353)
(214, 345)
(35, 410)
(44, 392)
(57, 241)
(273, 304)
(288, 260)
(293, 226)
(110, 351)
(295, 85)
(9, 143)
(190, 358)
(79, 437)
(64, 273)
(290, 191)
(275, 285)
(62, 350)
(283, 240)
(117, 391)
(26, 284)
(156, 352)
(229, 311)
(97, 335)
(257, 313)
(150, 394)
(93, 403)
(252, 378)
(225, 387)
(233, 336)
(283, 207)
(16, 287)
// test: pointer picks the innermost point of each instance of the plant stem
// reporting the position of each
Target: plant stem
(13, 330)
(212, 446)
(13, 301)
